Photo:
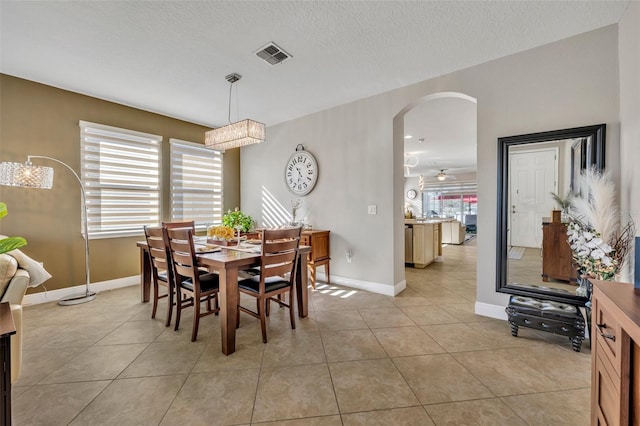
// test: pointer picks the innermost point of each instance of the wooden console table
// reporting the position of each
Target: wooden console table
(320, 251)
(7, 329)
(615, 369)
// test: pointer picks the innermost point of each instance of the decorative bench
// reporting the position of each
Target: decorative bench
(546, 315)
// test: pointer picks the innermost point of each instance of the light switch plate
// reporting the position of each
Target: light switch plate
(373, 210)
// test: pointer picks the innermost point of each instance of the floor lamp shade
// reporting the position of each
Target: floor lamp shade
(28, 175)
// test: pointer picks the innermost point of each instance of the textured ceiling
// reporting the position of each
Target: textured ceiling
(171, 57)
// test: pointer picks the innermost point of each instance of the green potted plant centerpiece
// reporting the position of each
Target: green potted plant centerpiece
(238, 220)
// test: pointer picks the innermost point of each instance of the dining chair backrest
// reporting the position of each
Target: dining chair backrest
(279, 253)
(158, 251)
(173, 225)
(183, 253)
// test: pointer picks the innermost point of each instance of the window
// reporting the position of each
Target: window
(120, 170)
(196, 183)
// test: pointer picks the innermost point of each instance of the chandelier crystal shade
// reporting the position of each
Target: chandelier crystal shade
(26, 175)
(235, 135)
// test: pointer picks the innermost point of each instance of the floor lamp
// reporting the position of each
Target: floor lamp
(27, 175)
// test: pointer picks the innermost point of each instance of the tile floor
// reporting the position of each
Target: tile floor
(421, 358)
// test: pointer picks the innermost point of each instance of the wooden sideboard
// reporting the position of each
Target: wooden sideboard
(615, 376)
(557, 262)
(320, 251)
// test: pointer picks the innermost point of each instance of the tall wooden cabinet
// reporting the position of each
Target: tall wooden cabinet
(615, 331)
(320, 251)
(557, 262)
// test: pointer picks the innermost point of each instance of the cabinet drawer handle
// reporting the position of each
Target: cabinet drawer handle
(603, 334)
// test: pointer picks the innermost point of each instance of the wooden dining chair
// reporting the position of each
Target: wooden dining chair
(277, 275)
(193, 287)
(161, 270)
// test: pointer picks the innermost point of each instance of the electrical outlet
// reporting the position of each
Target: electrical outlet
(373, 209)
(349, 256)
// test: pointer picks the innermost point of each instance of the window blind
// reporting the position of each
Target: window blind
(120, 170)
(196, 183)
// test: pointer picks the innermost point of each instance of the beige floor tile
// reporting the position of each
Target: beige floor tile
(96, 363)
(369, 385)
(412, 416)
(223, 397)
(134, 332)
(309, 421)
(294, 392)
(248, 355)
(406, 341)
(440, 378)
(39, 363)
(72, 334)
(528, 370)
(165, 358)
(489, 412)
(138, 401)
(464, 312)
(340, 320)
(385, 317)
(56, 404)
(348, 345)
(293, 349)
(464, 337)
(431, 314)
(565, 408)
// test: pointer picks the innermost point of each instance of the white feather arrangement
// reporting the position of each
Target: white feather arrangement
(595, 203)
(599, 244)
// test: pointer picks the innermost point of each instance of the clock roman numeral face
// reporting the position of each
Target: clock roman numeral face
(301, 173)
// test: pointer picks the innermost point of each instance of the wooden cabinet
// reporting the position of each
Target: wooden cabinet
(557, 262)
(615, 331)
(426, 243)
(320, 251)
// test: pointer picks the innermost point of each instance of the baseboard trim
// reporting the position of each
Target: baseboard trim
(491, 311)
(373, 287)
(55, 295)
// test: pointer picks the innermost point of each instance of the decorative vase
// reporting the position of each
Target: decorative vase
(583, 287)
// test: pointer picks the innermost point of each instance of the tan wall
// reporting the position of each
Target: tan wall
(41, 120)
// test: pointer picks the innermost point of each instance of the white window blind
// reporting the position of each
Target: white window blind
(196, 183)
(120, 170)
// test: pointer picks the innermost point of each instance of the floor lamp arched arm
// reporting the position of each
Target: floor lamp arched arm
(88, 295)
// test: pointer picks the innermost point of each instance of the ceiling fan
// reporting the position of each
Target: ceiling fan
(443, 176)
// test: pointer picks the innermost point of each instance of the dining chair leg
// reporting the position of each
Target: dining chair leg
(196, 318)
(291, 309)
(178, 309)
(155, 300)
(263, 318)
(170, 304)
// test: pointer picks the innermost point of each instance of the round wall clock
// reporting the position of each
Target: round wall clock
(301, 172)
(411, 194)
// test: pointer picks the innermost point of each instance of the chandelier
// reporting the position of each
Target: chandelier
(235, 135)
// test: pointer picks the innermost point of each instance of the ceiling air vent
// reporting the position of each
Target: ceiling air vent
(273, 54)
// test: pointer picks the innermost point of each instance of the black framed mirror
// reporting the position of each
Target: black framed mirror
(532, 256)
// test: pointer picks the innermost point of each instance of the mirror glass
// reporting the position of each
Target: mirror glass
(533, 256)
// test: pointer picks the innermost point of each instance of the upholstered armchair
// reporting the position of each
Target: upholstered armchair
(13, 286)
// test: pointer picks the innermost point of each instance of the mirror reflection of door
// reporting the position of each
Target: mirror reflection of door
(532, 177)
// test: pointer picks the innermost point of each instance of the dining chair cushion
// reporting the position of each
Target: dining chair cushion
(270, 284)
(207, 282)
(163, 276)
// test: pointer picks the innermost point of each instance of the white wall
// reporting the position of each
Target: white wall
(629, 52)
(569, 83)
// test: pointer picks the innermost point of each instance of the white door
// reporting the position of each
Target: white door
(532, 178)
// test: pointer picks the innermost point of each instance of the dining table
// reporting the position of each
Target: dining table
(228, 262)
